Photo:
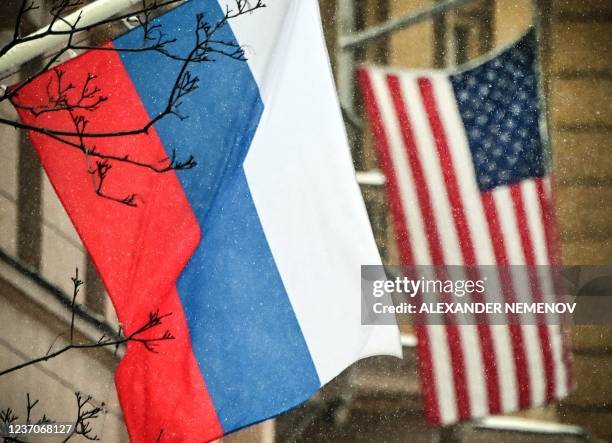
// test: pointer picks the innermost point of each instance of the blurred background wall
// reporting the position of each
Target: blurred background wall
(578, 69)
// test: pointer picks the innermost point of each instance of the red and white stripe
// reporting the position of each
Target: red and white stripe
(441, 217)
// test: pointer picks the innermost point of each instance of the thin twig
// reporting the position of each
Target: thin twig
(78, 29)
(184, 83)
(155, 320)
(75, 292)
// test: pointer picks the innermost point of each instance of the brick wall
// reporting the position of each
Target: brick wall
(579, 68)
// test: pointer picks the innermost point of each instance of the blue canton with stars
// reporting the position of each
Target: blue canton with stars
(498, 102)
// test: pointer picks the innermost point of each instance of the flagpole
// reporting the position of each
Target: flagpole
(542, 50)
(86, 16)
(367, 36)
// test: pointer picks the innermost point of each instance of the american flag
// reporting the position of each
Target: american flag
(467, 185)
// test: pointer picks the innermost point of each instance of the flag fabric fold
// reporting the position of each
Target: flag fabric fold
(255, 252)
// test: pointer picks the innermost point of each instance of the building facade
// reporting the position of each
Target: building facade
(377, 399)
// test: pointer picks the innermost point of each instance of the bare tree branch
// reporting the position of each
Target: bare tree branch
(184, 84)
(86, 412)
(153, 322)
(76, 284)
(78, 29)
(26, 6)
(8, 417)
(64, 96)
(59, 99)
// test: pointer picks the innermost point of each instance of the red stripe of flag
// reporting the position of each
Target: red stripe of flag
(400, 224)
(516, 330)
(422, 191)
(386, 163)
(486, 340)
(452, 330)
(529, 251)
(448, 170)
(554, 258)
(427, 213)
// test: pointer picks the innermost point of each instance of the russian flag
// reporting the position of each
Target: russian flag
(256, 251)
